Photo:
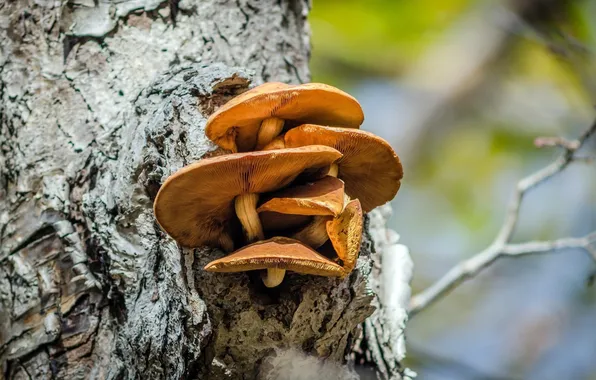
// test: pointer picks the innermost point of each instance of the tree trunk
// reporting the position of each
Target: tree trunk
(101, 101)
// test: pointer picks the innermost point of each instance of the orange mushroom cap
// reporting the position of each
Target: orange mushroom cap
(235, 125)
(195, 205)
(345, 233)
(369, 167)
(322, 197)
(280, 253)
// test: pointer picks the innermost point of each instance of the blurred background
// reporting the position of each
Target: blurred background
(461, 88)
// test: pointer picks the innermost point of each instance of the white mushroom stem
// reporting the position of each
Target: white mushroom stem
(276, 143)
(273, 277)
(270, 129)
(246, 210)
(315, 233)
(333, 170)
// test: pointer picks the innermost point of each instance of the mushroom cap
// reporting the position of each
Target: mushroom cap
(369, 167)
(345, 233)
(195, 205)
(235, 125)
(322, 197)
(279, 252)
(296, 206)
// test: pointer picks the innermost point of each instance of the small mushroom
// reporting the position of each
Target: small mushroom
(345, 233)
(369, 167)
(251, 120)
(286, 209)
(322, 197)
(198, 204)
(315, 233)
(277, 256)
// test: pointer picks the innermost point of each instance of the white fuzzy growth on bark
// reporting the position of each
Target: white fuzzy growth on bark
(295, 365)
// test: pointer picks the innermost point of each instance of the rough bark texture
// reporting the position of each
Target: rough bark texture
(101, 101)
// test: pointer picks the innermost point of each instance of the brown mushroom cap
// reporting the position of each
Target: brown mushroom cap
(279, 252)
(322, 197)
(235, 125)
(345, 233)
(369, 167)
(195, 205)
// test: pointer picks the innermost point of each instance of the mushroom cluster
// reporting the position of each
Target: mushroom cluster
(298, 179)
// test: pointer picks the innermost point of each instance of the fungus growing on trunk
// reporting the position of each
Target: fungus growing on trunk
(200, 203)
(276, 256)
(253, 119)
(369, 167)
(345, 233)
(322, 197)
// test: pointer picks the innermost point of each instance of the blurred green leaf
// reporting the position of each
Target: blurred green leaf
(377, 36)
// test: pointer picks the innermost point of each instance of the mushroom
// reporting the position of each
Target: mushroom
(369, 167)
(276, 255)
(345, 233)
(322, 197)
(196, 204)
(315, 233)
(254, 118)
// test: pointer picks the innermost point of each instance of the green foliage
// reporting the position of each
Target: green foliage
(378, 37)
(464, 164)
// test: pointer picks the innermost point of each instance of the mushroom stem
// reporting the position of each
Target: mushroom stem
(270, 129)
(276, 143)
(333, 170)
(246, 210)
(315, 233)
(273, 277)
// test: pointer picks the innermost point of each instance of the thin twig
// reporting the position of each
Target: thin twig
(531, 247)
(585, 159)
(501, 246)
(562, 142)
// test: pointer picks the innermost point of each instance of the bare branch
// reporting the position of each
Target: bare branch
(542, 142)
(585, 159)
(501, 246)
(532, 247)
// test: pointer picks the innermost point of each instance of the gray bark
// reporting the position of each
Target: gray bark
(101, 101)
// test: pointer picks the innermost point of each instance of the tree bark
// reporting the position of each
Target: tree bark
(101, 101)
